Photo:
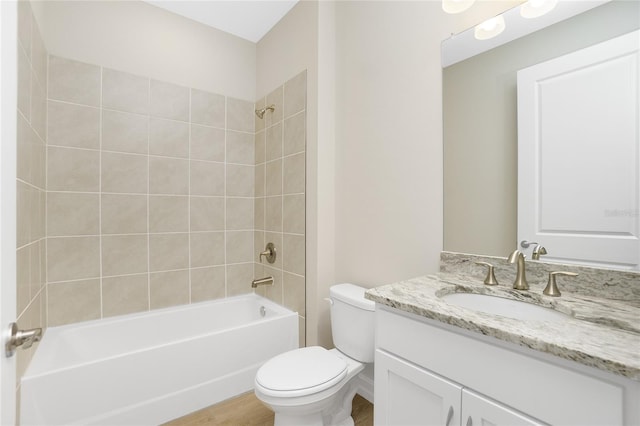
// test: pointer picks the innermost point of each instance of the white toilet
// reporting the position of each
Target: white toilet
(315, 386)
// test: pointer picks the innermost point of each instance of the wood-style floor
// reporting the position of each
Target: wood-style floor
(247, 410)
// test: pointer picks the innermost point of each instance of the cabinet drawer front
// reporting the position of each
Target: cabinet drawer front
(551, 393)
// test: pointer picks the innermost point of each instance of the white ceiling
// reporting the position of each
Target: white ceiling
(248, 19)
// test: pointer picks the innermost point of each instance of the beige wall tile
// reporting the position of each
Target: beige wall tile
(23, 218)
(125, 295)
(73, 125)
(168, 138)
(259, 244)
(24, 26)
(124, 132)
(207, 213)
(275, 98)
(207, 283)
(239, 279)
(168, 213)
(23, 278)
(259, 123)
(240, 115)
(72, 258)
(24, 84)
(273, 214)
(74, 301)
(38, 108)
(273, 176)
(168, 252)
(207, 178)
(25, 144)
(294, 293)
(295, 94)
(124, 173)
(294, 134)
(259, 149)
(70, 169)
(239, 213)
(39, 55)
(293, 253)
(293, 212)
(207, 249)
(259, 179)
(273, 149)
(293, 172)
(207, 143)
(35, 281)
(124, 214)
(74, 81)
(259, 213)
(169, 101)
(240, 148)
(125, 92)
(273, 292)
(124, 254)
(70, 213)
(239, 246)
(240, 180)
(169, 288)
(207, 108)
(168, 176)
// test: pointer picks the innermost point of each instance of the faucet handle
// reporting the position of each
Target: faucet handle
(490, 279)
(552, 289)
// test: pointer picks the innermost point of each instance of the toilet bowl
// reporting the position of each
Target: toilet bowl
(315, 386)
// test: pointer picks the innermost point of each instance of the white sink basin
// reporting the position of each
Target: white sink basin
(503, 307)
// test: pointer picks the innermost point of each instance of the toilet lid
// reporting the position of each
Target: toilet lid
(302, 371)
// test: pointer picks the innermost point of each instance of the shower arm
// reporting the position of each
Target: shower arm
(260, 112)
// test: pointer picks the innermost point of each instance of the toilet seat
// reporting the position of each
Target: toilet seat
(301, 372)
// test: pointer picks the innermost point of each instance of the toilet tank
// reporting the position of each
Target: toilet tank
(352, 321)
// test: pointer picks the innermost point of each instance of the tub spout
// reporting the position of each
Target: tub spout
(262, 281)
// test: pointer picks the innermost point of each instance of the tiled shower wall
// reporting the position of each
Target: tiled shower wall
(150, 193)
(31, 182)
(280, 146)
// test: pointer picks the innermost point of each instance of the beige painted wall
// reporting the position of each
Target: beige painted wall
(290, 47)
(374, 138)
(136, 37)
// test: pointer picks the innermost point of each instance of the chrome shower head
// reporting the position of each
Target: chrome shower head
(260, 112)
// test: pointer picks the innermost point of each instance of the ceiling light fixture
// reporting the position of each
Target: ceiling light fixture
(490, 28)
(535, 8)
(456, 6)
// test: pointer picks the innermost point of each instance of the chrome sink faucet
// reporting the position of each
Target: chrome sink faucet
(520, 282)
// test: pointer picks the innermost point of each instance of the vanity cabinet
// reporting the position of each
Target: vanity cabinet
(409, 395)
(426, 369)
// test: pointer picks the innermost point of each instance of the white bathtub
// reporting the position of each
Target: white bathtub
(152, 367)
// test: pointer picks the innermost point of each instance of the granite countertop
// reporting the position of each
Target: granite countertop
(597, 332)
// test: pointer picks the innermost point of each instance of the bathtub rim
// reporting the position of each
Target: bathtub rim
(281, 311)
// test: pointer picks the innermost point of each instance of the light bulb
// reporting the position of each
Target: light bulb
(535, 8)
(490, 28)
(456, 6)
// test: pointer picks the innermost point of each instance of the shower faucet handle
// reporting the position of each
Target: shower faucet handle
(269, 253)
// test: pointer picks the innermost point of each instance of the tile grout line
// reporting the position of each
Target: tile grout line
(100, 196)
(190, 277)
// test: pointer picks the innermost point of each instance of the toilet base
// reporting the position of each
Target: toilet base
(334, 411)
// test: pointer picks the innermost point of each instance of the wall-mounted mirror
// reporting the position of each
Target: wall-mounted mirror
(481, 133)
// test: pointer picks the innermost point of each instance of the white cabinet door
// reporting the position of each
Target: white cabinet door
(480, 411)
(407, 395)
(579, 156)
